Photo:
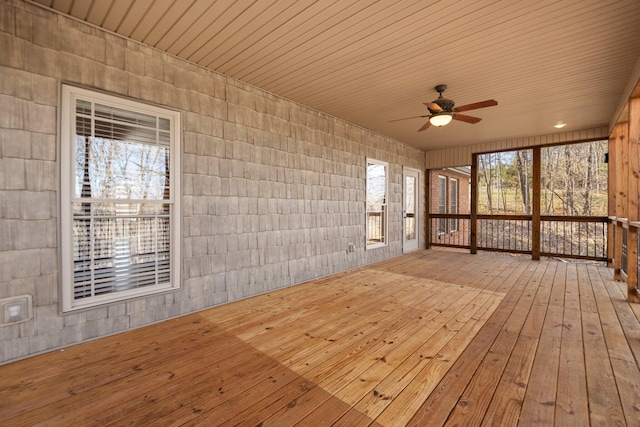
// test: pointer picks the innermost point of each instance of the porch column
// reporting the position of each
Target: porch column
(535, 204)
(474, 204)
(633, 209)
(622, 171)
(611, 200)
(427, 209)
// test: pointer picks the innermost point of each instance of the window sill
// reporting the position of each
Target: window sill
(118, 297)
(376, 246)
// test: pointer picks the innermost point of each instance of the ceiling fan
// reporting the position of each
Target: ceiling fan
(442, 110)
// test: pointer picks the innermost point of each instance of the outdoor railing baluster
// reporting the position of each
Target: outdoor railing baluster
(577, 237)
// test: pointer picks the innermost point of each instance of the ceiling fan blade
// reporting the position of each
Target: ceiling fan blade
(426, 125)
(407, 118)
(433, 107)
(465, 118)
(476, 105)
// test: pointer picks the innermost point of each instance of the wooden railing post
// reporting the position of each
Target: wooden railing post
(474, 204)
(535, 204)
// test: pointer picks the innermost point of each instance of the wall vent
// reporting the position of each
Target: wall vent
(15, 309)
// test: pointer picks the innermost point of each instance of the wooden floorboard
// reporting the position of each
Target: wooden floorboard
(431, 338)
(473, 403)
(538, 406)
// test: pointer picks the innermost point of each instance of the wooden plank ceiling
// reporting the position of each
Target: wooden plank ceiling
(369, 61)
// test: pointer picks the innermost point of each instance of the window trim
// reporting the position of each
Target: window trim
(68, 196)
(385, 205)
(453, 228)
(442, 222)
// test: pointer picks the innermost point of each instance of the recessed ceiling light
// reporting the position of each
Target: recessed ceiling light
(559, 125)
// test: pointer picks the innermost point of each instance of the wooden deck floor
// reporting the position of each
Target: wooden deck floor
(430, 338)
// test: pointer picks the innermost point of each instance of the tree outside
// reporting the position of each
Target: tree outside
(573, 184)
(573, 181)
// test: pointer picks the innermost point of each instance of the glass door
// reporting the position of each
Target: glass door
(410, 210)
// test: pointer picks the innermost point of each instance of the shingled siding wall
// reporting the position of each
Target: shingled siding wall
(272, 191)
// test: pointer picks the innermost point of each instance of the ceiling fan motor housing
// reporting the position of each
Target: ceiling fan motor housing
(445, 104)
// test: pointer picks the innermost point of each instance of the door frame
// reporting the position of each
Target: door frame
(413, 244)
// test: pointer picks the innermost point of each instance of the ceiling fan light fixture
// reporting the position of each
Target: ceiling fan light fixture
(442, 111)
(440, 120)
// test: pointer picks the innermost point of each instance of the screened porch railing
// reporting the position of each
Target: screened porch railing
(452, 230)
(581, 237)
(578, 237)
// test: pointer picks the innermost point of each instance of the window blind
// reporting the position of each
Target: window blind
(122, 207)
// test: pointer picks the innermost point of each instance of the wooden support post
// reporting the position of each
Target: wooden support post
(474, 204)
(427, 209)
(622, 168)
(535, 204)
(633, 295)
(633, 208)
(611, 199)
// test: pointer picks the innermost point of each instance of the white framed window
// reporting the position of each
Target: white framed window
(453, 202)
(120, 188)
(442, 203)
(376, 209)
